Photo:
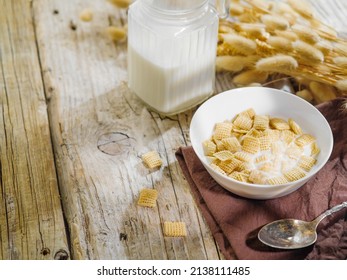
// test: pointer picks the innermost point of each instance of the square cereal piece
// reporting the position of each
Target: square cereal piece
(250, 144)
(265, 143)
(314, 149)
(262, 158)
(228, 166)
(294, 151)
(261, 122)
(239, 176)
(287, 136)
(277, 180)
(152, 159)
(250, 113)
(148, 198)
(243, 156)
(216, 168)
(279, 124)
(304, 140)
(295, 127)
(231, 144)
(294, 174)
(209, 147)
(175, 229)
(222, 130)
(306, 162)
(224, 155)
(255, 133)
(257, 177)
(243, 122)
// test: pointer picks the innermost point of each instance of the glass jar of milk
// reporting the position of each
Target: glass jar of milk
(171, 53)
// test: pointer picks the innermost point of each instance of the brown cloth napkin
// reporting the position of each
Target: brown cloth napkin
(235, 221)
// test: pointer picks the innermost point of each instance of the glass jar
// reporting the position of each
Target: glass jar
(171, 53)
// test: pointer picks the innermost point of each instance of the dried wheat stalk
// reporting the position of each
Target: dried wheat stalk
(283, 37)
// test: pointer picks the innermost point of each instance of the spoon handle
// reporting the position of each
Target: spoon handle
(330, 211)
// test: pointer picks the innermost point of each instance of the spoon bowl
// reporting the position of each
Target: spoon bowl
(288, 234)
(292, 233)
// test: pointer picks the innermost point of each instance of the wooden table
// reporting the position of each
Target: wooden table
(72, 136)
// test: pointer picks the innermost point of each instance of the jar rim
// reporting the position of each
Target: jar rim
(184, 11)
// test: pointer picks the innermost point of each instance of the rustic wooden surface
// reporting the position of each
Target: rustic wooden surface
(71, 139)
(31, 217)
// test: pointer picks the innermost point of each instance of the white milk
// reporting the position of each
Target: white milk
(171, 65)
(170, 89)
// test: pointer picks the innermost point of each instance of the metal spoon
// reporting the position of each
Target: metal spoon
(294, 234)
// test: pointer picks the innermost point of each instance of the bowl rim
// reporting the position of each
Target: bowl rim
(309, 174)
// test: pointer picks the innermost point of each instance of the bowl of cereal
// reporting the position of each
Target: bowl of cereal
(260, 143)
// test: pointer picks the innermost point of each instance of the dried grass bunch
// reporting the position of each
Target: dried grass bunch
(262, 38)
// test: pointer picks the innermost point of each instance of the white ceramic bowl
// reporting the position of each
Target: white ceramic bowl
(265, 101)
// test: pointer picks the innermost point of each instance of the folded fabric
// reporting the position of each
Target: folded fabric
(235, 221)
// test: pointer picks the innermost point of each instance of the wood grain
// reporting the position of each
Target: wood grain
(99, 131)
(31, 220)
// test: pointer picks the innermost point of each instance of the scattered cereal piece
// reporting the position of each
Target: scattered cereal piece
(86, 15)
(148, 198)
(123, 4)
(152, 159)
(117, 34)
(175, 229)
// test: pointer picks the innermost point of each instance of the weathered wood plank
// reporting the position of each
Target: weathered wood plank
(99, 131)
(31, 219)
